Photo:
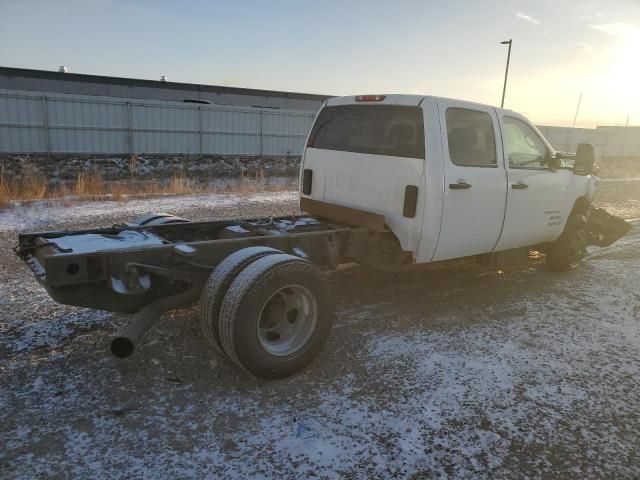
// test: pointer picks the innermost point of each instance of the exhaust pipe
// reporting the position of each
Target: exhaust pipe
(125, 343)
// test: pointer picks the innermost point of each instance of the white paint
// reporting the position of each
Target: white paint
(471, 219)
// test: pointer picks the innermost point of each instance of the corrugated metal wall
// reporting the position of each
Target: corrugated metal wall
(609, 141)
(59, 123)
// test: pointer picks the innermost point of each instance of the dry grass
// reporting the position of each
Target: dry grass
(91, 186)
(5, 194)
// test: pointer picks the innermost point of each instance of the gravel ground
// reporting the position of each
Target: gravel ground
(463, 374)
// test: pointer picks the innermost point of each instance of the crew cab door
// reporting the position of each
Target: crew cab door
(536, 206)
(475, 181)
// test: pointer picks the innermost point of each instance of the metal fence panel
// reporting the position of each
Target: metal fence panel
(609, 141)
(23, 111)
(61, 123)
(20, 139)
(67, 123)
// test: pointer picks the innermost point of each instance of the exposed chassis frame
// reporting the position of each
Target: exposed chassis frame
(191, 252)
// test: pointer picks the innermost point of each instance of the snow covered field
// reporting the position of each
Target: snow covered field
(463, 374)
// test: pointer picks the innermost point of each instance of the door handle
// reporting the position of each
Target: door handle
(461, 185)
(519, 186)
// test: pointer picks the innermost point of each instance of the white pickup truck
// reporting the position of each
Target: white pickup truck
(388, 181)
(452, 178)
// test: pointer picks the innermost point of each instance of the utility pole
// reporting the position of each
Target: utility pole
(506, 72)
(624, 135)
(577, 109)
(573, 126)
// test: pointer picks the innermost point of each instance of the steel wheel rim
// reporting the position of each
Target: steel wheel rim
(287, 320)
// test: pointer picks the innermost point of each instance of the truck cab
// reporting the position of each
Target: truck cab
(451, 178)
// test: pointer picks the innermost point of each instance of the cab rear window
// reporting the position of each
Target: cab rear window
(392, 130)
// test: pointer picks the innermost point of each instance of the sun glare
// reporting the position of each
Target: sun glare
(621, 80)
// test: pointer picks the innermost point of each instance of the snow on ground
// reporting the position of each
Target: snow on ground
(36, 214)
(512, 375)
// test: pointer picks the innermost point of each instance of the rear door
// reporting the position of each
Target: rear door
(364, 154)
(475, 180)
(536, 206)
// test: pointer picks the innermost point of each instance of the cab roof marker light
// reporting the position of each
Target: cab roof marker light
(370, 98)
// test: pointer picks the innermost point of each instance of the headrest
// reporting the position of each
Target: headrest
(401, 132)
(463, 137)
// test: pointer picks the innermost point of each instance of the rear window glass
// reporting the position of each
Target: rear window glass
(374, 129)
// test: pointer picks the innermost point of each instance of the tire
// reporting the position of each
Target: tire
(157, 219)
(217, 285)
(276, 316)
(569, 249)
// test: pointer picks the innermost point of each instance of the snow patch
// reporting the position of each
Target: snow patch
(40, 213)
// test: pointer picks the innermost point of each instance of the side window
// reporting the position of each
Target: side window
(471, 137)
(523, 147)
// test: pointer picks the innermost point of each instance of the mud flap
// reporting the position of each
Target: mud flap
(603, 229)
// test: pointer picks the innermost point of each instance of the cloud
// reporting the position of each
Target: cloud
(589, 18)
(528, 18)
(619, 29)
(586, 47)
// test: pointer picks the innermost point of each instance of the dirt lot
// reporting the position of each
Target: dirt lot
(459, 373)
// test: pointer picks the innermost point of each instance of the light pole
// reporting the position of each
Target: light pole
(506, 73)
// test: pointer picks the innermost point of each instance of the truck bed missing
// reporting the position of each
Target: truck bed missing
(123, 267)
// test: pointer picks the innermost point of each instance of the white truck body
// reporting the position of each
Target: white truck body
(480, 186)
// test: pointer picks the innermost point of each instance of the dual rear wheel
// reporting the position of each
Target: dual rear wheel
(267, 311)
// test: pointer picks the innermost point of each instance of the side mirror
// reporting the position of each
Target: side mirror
(585, 159)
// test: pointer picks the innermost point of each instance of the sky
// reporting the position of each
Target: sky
(447, 48)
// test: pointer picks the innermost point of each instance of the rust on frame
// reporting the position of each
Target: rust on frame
(338, 213)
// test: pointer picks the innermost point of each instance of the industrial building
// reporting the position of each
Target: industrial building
(118, 87)
(48, 112)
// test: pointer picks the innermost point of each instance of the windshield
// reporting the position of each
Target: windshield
(391, 130)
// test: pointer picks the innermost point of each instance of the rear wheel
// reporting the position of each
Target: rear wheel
(276, 316)
(216, 288)
(569, 250)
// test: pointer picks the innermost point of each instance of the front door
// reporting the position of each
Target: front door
(475, 186)
(536, 209)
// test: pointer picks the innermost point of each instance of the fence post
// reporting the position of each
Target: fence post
(130, 128)
(261, 137)
(200, 130)
(604, 145)
(45, 124)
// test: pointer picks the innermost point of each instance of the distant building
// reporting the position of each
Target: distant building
(57, 112)
(80, 84)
